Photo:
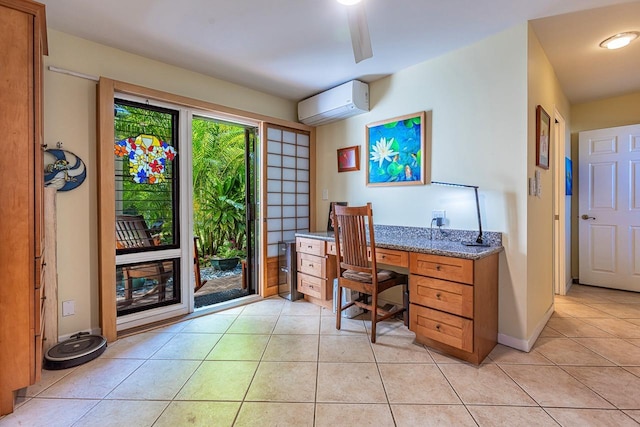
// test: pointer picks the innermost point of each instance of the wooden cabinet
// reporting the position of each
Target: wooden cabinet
(454, 304)
(316, 271)
(22, 43)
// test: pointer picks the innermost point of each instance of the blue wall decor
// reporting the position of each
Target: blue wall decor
(63, 170)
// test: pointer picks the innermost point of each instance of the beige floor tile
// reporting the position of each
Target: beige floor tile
(623, 311)
(284, 382)
(253, 324)
(39, 412)
(219, 380)
(485, 385)
(140, 346)
(620, 328)
(634, 370)
(47, 379)
(512, 416)
(324, 311)
(297, 325)
(366, 414)
(292, 348)
(343, 348)
(173, 328)
(155, 380)
(93, 380)
(573, 327)
(400, 349)
(578, 310)
(431, 415)
(347, 326)
(591, 417)
(349, 383)
(551, 386)
(565, 351)
(269, 307)
(300, 308)
(618, 351)
(188, 346)
(439, 357)
(634, 321)
(272, 414)
(614, 384)
(416, 383)
(388, 327)
(622, 297)
(211, 324)
(118, 413)
(634, 341)
(502, 354)
(548, 332)
(199, 414)
(239, 347)
(635, 414)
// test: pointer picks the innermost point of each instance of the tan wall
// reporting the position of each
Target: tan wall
(70, 118)
(477, 96)
(604, 113)
(545, 90)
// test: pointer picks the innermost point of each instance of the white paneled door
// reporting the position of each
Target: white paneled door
(609, 224)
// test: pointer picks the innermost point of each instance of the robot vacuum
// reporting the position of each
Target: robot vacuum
(80, 348)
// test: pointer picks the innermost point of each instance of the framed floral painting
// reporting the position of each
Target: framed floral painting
(396, 150)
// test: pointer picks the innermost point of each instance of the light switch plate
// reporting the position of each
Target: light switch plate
(325, 194)
(68, 308)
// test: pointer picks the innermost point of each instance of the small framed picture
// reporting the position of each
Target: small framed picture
(349, 159)
(543, 137)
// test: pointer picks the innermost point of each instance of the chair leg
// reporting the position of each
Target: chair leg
(338, 306)
(374, 315)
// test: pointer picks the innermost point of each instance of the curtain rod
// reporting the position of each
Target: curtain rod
(73, 73)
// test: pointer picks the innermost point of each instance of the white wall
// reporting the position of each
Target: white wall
(478, 99)
(545, 90)
(70, 118)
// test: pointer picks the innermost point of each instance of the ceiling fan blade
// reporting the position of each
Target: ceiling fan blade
(359, 29)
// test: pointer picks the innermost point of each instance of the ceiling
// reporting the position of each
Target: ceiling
(297, 48)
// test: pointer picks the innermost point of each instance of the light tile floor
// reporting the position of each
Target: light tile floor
(280, 363)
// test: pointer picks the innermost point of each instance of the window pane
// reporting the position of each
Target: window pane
(146, 177)
(146, 285)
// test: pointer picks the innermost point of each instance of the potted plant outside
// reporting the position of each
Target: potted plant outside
(226, 257)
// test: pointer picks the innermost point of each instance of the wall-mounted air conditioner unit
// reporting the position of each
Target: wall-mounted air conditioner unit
(342, 101)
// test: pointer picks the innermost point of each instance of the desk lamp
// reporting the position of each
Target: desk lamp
(479, 240)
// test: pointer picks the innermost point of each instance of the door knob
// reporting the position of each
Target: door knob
(585, 216)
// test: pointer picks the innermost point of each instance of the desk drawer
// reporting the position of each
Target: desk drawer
(310, 285)
(442, 267)
(311, 264)
(454, 298)
(331, 248)
(446, 328)
(310, 246)
(392, 257)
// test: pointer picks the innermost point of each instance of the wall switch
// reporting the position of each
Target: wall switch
(325, 194)
(68, 308)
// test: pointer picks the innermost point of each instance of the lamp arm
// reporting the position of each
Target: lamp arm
(479, 239)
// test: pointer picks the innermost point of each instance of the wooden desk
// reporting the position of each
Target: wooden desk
(453, 289)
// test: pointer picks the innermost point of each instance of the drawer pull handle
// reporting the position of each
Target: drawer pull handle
(438, 267)
(44, 297)
(310, 265)
(438, 328)
(438, 295)
(309, 247)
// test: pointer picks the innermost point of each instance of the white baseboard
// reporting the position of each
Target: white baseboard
(526, 345)
(92, 331)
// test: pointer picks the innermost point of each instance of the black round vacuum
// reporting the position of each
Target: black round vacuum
(80, 348)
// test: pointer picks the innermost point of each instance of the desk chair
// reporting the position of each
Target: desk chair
(356, 263)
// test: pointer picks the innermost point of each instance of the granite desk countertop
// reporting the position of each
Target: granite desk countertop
(427, 241)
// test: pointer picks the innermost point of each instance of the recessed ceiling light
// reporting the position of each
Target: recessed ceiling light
(349, 2)
(619, 40)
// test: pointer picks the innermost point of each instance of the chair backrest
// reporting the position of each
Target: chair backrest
(353, 234)
(132, 232)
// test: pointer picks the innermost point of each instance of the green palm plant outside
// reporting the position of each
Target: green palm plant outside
(218, 185)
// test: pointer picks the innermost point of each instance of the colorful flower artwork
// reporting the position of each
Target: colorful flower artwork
(147, 157)
(395, 151)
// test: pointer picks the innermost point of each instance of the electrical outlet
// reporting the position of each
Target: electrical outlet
(437, 214)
